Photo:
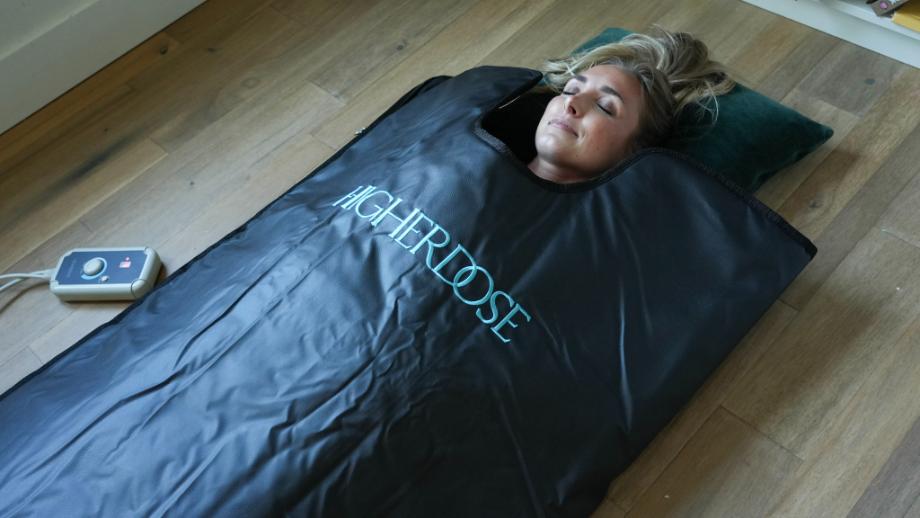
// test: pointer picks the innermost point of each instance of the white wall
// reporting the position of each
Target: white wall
(22, 21)
(48, 46)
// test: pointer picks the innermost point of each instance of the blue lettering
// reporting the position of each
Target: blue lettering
(354, 196)
(367, 197)
(406, 222)
(389, 212)
(507, 320)
(494, 307)
(465, 274)
(431, 245)
(458, 249)
(409, 228)
(460, 284)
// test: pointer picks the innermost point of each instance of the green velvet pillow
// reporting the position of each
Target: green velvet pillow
(753, 137)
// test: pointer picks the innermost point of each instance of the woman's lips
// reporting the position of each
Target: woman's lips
(562, 125)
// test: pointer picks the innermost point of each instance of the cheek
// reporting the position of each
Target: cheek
(551, 109)
(610, 137)
(605, 146)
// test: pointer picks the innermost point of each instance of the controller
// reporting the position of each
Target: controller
(105, 273)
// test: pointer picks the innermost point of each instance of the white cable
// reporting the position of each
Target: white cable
(19, 277)
(38, 274)
(10, 284)
(23, 276)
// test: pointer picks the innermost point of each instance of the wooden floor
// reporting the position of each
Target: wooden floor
(188, 135)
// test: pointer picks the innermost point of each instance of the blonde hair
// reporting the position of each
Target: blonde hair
(673, 69)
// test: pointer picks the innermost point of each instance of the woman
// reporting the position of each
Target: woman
(619, 98)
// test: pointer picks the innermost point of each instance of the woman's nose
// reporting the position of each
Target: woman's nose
(572, 104)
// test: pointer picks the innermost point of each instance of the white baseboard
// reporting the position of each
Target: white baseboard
(853, 21)
(66, 54)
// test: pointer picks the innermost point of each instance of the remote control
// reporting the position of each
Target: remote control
(105, 273)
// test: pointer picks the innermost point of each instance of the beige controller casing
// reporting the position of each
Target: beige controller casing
(114, 291)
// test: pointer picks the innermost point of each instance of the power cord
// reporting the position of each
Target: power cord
(19, 277)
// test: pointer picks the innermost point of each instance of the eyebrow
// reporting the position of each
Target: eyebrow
(604, 88)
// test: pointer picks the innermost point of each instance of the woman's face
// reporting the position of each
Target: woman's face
(589, 127)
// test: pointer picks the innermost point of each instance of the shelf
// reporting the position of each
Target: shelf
(853, 21)
(859, 9)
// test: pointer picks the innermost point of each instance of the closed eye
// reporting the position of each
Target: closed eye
(605, 110)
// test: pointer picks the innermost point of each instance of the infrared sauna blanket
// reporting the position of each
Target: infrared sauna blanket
(419, 328)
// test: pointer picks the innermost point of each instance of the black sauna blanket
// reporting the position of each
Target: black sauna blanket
(421, 328)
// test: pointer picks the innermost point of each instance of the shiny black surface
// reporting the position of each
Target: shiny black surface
(310, 363)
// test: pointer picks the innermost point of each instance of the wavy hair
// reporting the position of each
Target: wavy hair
(674, 71)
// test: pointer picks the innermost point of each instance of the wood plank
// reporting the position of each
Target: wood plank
(848, 167)
(798, 64)
(82, 101)
(897, 485)
(220, 74)
(186, 177)
(150, 102)
(666, 446)
(63, 203)
(727, 469)
(213, 16)
(27, 245)
(852, 78)
(141, 112)
(389, 34)
(326, 20)
(458, 47)
(172, 193)
(728, 27)
(798, 391)
(201, 33)
(29, 309)
(717, 23)
(309, 54)
(903, 217)
(870, 427)
(57, 165)
(608, 509)
(763, 52)
(207, 166)
(17, 367)
(564, 26)
(863, 211)
(782, 185)
(270, 178)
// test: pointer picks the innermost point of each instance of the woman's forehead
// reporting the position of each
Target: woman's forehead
(605, 74)
(610, 79)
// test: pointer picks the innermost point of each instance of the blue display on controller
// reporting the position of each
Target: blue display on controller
(117, 267)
